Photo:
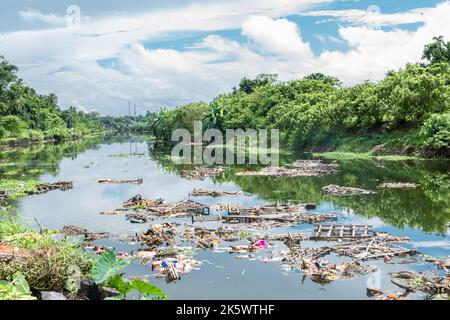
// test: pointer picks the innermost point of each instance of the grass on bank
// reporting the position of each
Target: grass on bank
(392, 146)
(48, 263)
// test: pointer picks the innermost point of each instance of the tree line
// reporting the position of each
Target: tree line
(26, 114)
(318, 110)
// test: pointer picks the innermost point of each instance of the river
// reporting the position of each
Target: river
(422, 214)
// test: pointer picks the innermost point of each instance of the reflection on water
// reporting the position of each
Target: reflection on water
(422, 214)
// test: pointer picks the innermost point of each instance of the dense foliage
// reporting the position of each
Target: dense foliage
(25, 114)
(318, 111)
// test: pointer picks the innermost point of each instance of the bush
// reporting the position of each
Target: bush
(49, 263)
(13, 125)
(3, 133)
(435, 133)
(57, 133)
(35, 135)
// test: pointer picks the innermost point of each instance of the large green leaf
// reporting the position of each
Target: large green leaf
(21, 284)
(106, 267)
(146, 288)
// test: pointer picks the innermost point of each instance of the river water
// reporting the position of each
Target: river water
(422, 214)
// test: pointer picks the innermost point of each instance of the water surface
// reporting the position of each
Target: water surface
(422, 214)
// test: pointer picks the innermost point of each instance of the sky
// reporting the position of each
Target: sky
(99, 55)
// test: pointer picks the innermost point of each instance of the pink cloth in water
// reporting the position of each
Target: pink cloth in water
(262, 244)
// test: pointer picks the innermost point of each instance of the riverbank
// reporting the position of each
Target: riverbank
(394, 146)
(28, 142)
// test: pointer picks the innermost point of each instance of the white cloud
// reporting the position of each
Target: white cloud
(35, 15)
(372, 18)
(277, 36)
(64, 61)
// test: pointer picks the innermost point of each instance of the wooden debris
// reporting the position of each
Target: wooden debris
(295, 218)
(200, 173)
(140, 201)
(413, 281)
(398, 185)
(158, 234)
(215, 193)
(113, 181)
(172, 273)
(301, 168)
(204, 218)
(335, 190)
(187, 207)
(89, 236)
(137, 218)
(443, 263)
(372, 248)
(332, 232)
(265, 210)
(47, 187)
(113, 212)
(284, 237)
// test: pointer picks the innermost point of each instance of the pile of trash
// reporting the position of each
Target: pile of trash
(114, 212)
(207, 239)
(172, 268)
(398, 185)
(267, 209)
(137, 218)
(317, 166)
(171, 262)
(335, 190)
(301, 168)
(158, 234)
(88, 235)
(257, 246)
(139, 202)
(182, 208)
(413, 281)
(373, 249)
(285, 219)
(441, 263)
(214, 193)
(113, 181)
(47, 187)
(200, 173)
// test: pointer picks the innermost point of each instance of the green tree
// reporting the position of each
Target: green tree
(438, 51)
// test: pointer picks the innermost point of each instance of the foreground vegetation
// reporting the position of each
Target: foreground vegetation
(405, 113)
(44, 262)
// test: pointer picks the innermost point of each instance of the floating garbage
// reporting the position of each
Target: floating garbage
(413, 281)
(200, 173)
(137, 218)
(182, 208)
(158, 234)
(262, 244)
(398, 185)
(114, 181)
(88, 235)
(214, 193)
(139, 201)
(335, 190)
(174, 267)
(441, 263)
(47, 187)
(301, 168)
(113, 212)
(334, 232)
